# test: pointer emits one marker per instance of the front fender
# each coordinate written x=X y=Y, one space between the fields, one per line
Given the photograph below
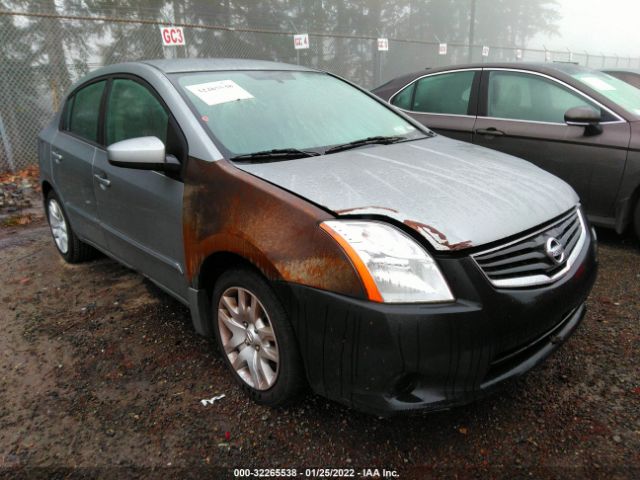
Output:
x=228 y=210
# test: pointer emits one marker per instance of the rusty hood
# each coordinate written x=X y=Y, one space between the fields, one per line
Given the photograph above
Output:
x=457 y=195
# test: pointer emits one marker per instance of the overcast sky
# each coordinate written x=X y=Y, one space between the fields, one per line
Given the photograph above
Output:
x=609 y=26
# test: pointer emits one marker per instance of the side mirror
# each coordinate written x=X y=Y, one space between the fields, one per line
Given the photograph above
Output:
x=584 y=117
x=143 y=153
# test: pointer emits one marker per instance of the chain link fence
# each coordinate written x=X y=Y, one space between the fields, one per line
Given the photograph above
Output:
x=32 y=85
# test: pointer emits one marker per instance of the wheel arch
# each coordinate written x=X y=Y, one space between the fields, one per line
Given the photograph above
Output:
x=207 y=273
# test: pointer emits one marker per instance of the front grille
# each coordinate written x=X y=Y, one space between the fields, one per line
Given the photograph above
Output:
x=527 y=262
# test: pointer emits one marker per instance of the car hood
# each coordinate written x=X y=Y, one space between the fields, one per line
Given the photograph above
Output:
x=457 y=195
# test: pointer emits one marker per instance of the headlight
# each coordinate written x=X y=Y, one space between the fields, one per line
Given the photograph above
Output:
x=393 y=267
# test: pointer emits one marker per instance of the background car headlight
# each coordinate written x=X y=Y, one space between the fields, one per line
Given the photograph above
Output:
x=393 y=267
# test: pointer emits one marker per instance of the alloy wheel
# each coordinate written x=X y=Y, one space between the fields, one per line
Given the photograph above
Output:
x=248 y=338
x=58 y=226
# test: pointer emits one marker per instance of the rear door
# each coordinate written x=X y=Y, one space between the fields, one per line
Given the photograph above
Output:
x=522 y=113
x=141 y=210
x=446 y=102
x=72 y=154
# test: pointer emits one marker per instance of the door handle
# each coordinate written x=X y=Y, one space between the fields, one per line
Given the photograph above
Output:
x=56 y=157
x=491 y=131
x=104 y=182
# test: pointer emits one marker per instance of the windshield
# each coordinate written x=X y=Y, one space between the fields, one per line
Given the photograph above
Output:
x=625 y=95
x=253 y=111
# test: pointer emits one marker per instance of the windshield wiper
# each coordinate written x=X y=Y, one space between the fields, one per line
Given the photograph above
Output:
x=366 y=141
x=275 y=154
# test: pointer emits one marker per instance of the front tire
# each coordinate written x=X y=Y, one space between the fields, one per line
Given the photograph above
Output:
x=69 y=246
x=255 y=338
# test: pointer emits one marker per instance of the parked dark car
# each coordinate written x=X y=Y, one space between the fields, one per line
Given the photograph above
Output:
x=321 y=236
x=631 y=76
x=579 y=124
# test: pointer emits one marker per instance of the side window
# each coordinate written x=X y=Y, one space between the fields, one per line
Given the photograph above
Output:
x=403 y=99
x=522 y=96
x=133 y=111
x=83 y=111
x=445 y=93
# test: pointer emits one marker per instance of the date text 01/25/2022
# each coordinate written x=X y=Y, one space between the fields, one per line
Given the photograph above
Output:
x=316 y=472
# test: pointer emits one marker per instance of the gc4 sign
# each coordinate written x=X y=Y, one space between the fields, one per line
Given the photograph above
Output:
x=172 y=36
x=301 y=41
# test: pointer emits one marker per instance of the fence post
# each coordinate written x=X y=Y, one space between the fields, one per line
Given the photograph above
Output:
x=4 y=135
x=7 y=145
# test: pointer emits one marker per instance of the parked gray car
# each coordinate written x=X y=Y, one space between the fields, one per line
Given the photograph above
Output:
x=321 y=236
x=579 y=124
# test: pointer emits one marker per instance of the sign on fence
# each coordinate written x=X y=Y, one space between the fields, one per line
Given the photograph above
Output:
x=442 y=49
x=485 y=51
x=383 y=44
x=547 y=56
x=172 y=36
x=301 y=41
x=518 y=54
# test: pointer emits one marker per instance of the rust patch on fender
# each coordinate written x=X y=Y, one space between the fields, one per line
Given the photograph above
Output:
x=229 y=210
x=437 y=235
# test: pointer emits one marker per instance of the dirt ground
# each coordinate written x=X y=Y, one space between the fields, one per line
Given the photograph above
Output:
x=101 y=375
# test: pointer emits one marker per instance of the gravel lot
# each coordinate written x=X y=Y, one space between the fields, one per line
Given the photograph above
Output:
x=101 y=369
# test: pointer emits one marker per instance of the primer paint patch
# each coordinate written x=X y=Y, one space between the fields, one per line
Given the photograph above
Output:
x=215 y=93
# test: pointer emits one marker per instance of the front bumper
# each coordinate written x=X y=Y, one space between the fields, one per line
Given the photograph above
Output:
x=386 y=358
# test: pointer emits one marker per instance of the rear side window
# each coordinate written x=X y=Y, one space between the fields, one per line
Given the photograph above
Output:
x=83 y=111
x=448 y=93
x=403 y=99
x=134 y=111
x=523 y=96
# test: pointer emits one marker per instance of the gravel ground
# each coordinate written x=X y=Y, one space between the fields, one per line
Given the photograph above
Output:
x=102 y=376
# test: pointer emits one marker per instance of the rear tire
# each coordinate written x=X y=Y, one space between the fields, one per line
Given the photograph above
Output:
x=255 y=338
x=69 y=246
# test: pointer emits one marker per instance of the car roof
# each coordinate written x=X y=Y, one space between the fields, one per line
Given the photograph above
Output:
x=549 y=68
x=180 y=65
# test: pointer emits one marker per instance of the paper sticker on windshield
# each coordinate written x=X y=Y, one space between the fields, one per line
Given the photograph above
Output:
x=223 y=91
x=598 y=84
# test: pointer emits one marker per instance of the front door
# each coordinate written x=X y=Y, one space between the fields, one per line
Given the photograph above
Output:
x=141 y=210
x=523 y=114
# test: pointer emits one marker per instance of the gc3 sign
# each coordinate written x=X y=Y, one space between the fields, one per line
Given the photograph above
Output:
x=172 y=36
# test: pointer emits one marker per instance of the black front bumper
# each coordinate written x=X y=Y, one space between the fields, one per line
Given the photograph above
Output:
x=385 y=358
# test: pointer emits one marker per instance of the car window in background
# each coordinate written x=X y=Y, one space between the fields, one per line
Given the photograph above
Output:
x=447 y=93
x=252 y=111
x=85 y=110
x=403 y=99
x=522 y=96
x=133 y=111
x=625 y=95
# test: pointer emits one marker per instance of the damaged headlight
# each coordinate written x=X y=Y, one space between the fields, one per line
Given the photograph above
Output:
x=393 y=267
